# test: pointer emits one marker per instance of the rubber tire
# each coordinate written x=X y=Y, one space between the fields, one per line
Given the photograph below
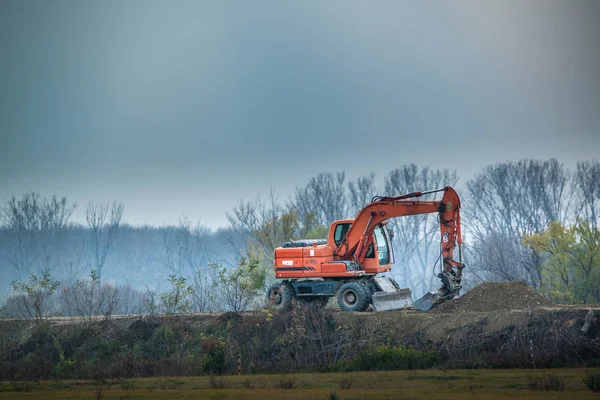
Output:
x=279 y=297
x=361 y=295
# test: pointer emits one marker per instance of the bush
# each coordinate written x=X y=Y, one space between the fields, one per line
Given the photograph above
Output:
x=346 y=382
x=215 y=382
x=592 y=380
x=214 y=354
x=286 y=382
x=388 y=357
x=549 y=382
x=22 y=386
x=169 y=384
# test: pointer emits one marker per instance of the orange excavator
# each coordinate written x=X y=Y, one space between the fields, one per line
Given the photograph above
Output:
x=349 y=264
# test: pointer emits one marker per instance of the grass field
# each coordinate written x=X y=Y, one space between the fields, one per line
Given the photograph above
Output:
x=424 y=384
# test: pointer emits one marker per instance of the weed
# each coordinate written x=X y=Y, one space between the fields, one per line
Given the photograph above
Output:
x=248 y=384
x=547 y=382
x=333 y=396
x=217 y=382
x=372 y=384
x=346 y=382
x=127 y=385
x=169 y=384
x=99 y=393
x=286 y=382
x=592 y=380
x=22 y=386
x=58 y=385
x=389 y=357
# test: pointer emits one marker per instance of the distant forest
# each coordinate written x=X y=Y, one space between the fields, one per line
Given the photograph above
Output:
x=531 y=220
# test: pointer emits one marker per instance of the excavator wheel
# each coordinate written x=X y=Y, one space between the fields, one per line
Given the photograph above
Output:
x=280 y=296
x=354 y=296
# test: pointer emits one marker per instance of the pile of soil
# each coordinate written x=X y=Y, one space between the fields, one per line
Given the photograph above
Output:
x=493 y=296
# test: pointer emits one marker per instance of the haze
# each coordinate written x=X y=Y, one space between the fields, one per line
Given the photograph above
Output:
x=181 y=108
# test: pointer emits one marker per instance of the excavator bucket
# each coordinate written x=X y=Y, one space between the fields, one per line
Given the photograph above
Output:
x=424 y=303
x=383 y=301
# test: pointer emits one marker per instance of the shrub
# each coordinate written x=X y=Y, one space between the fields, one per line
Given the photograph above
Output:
x=169 y=384
x=346 y=382
x=215 y=382
x=389 y=357
x=214 y=354
x=547 y=382
x=248 y=384
x=34 y=293
x=286 y=382
x=22 y=386
x=592 y=380
x=127 y=385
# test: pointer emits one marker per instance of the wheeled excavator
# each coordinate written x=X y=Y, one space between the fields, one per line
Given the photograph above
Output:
x=351 y=262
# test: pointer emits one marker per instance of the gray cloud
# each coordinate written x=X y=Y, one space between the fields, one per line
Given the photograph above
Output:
x=183 y=107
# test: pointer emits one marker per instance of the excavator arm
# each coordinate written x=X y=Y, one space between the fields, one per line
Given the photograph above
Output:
x=355 y=243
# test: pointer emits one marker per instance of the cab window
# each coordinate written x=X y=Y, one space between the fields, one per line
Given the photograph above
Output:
x=383 y=249
x=340 y=232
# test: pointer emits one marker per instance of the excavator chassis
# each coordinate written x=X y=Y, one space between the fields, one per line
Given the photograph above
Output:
x=379 y=292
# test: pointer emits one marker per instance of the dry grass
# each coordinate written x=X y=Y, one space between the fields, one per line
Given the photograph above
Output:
x=549 y=381
x=592 y=380
x=426 y=384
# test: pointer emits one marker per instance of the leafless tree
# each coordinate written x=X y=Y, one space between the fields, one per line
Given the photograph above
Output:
x=185 y=247
x=266 y=224
x=85 y=298
x=36 y=230
x=416 y=244
x=104 y=222
x=506 y=202
x=203 y=292
x=586 y=187
x=324 y=197
x=361 y=192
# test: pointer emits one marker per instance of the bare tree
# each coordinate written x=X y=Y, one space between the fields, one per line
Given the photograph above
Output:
x=361 y=192
x=417 y=245
x=586 y=186
x=36 y=229
x=104 y=222
x=266 y=224
x=324 y=197
x=185 y=247
x=203 y=292
x=86 y=299
x=506 y=202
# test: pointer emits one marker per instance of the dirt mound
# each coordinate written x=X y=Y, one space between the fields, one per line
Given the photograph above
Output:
x=493 y=296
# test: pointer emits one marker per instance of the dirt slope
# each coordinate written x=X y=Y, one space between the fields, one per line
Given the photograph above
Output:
x=502 y=325
x=494 y=296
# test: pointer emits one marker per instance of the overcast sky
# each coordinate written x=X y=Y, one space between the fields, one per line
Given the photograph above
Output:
x=183 y=107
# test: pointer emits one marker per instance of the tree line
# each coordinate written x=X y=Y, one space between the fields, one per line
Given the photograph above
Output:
x=531 y=220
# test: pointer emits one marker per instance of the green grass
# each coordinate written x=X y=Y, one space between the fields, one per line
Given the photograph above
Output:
x=424 y=384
